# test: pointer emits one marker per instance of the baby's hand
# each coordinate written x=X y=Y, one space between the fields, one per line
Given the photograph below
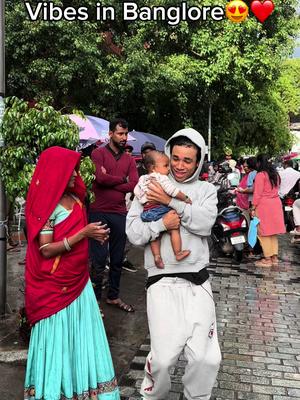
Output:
x=188 y=200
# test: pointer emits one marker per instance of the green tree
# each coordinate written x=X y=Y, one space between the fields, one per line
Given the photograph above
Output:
x=159 y=77
x=287 y=88
x=27 y=131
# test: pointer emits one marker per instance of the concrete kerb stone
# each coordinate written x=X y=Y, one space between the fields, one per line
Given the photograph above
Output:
x=14 y=357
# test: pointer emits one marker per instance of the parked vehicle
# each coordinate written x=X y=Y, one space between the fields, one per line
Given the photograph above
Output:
x=295 y=239
x=229 y=233
x=287 y=203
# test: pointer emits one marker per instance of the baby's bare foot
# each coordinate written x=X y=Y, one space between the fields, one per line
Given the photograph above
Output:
x=182 y=254
x=158 y=261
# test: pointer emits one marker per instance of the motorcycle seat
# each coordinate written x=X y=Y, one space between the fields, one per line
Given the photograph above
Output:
x=229 y=212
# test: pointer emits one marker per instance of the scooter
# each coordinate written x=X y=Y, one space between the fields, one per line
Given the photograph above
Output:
x=230 y=229
x=295 y=239
x=287 y=203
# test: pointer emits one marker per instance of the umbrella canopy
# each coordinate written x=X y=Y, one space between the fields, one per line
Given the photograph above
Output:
x=290 y=156
x=83 y=144
x=142 y=137
x=93 y=128
x=296 y=158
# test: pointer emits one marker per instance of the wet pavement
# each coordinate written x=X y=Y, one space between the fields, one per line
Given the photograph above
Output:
x=126 y=331
x=258 y=314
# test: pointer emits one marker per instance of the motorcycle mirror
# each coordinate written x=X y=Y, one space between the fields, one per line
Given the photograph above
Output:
x=233 y=179
x=231 y=176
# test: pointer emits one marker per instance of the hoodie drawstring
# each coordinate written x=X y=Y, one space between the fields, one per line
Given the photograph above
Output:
x=192 y=286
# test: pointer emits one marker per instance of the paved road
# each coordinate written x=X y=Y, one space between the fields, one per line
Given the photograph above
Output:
x=258 y=312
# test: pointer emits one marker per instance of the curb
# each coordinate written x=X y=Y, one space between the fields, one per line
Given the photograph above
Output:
x=14 y=357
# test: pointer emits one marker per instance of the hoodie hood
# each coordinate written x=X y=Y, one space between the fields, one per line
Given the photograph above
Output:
x=198 y=140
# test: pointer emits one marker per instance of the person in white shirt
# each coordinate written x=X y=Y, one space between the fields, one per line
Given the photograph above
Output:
x=180 y=304
x=289 y=178
x=296 y=215
x=157 y=165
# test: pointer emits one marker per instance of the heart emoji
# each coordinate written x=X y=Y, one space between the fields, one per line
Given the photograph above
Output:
x=262 y=10
x=232 y=9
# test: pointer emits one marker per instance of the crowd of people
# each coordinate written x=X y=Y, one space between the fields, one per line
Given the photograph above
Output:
x=260 y=190
x=161 y=205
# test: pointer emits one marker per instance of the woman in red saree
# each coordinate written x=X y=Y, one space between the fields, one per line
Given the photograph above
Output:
x=68 y=356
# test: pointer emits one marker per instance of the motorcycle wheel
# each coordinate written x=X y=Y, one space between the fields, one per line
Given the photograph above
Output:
x=238 y=255
x=290 y=225
x=238 y=252
x=213 y=248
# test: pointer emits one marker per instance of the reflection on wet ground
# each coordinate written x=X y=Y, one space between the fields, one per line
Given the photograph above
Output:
x=258 y=313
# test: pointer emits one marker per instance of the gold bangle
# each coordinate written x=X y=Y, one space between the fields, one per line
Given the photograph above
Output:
x=44 y=245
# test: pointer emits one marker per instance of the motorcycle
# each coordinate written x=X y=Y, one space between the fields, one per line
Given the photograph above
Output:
x=287 y=203
x=229 y=232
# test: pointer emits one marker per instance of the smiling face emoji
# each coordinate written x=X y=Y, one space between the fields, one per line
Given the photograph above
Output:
x=237 y=11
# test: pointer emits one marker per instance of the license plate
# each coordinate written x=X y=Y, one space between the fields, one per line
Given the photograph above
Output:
x=288 y=208
x=237 y=239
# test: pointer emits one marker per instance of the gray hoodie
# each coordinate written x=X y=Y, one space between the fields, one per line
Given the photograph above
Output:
x=197 y=220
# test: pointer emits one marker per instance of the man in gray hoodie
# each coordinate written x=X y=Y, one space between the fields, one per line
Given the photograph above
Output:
x=180 y=305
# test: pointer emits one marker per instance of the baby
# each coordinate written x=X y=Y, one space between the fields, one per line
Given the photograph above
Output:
x=157 y=165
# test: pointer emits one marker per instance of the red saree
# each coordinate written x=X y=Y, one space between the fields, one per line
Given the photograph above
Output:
x=242 y=199
x=53 y=284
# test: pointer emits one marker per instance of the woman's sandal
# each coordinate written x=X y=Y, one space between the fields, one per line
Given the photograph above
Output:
x=275 y=262
x=122 y=306
x=100 y=309
x=263 y=263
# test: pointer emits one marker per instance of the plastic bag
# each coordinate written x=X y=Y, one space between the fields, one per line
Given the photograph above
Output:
x=252 y=233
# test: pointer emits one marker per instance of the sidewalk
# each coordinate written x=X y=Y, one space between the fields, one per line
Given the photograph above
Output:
x=12 y=348
x=258 y=313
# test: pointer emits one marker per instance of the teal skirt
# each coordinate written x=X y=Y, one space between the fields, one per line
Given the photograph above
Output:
x=69 y=356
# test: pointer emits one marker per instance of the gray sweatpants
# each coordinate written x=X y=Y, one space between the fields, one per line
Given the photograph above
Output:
x=181 y=317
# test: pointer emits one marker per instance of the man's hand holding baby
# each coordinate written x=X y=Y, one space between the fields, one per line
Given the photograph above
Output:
x=157 y=194
x=171 y=220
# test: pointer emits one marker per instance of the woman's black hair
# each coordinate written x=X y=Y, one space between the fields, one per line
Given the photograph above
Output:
x=251 y=162
x=263 y=164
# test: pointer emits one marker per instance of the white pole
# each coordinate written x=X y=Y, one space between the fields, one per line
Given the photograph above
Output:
x=3 y=262
x=209 y=132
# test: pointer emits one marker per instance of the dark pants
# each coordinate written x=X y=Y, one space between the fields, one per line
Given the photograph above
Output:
x=115 y=246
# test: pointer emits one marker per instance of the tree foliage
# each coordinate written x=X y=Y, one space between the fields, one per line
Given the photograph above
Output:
x=288 y=86
x=27 y=131
x=160 y=77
